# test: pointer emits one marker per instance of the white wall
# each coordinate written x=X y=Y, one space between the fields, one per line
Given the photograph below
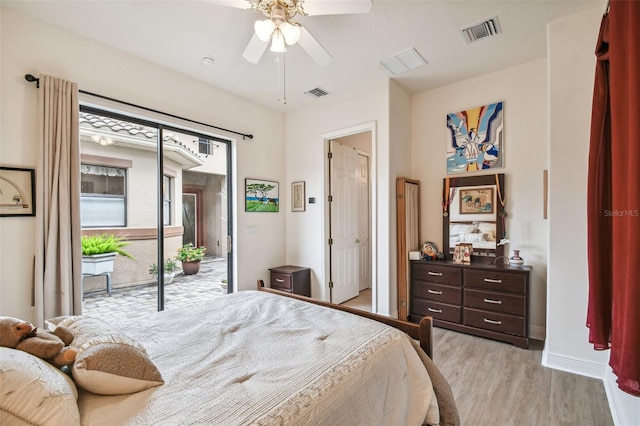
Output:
x=571 y=46
x=306 y=160
x=524 y=91
x=30 y=46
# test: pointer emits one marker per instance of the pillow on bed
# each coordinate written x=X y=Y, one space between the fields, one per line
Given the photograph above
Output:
x=32 y=391
x=108 y=362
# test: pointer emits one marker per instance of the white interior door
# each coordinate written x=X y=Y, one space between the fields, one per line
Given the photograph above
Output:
x=364 y=224
x=344 y=222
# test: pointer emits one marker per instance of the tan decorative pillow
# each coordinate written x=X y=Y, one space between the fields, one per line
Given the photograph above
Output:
x=32 y=391
x=108 y=362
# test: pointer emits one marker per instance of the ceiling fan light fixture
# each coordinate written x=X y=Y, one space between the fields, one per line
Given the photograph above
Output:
x=277 y=42
x=264 y=29
x=290 y=32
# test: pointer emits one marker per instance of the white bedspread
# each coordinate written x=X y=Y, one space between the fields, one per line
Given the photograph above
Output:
x=253 y=358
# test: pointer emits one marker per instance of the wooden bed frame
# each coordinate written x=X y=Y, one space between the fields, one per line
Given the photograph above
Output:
x=422 y=332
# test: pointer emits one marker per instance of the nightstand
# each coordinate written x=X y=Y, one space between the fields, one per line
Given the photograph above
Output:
x=292 y=279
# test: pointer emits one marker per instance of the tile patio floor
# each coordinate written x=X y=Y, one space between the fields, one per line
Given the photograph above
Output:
x=134 y=302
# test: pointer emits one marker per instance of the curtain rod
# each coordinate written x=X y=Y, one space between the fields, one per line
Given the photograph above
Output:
x=31 y=79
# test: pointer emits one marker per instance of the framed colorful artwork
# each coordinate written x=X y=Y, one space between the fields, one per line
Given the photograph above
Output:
x=475 y=139
x=17 y=192
x=261 y=196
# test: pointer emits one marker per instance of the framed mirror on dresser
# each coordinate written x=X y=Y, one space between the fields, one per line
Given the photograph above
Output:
x=473 y=213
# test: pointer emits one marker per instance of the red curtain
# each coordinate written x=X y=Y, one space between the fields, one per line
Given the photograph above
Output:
x=613 y=212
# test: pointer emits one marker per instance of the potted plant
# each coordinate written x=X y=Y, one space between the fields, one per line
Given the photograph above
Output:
x=190 y=256
x=170 y=268
x=99 y=253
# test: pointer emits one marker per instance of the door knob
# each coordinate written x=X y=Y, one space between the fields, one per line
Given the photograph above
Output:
x=357 y=240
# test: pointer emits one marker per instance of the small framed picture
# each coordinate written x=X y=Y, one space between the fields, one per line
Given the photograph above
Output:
x=297 y=197
x=261 y=196
x=462 y=253
x=17 y=192
x=476 y=201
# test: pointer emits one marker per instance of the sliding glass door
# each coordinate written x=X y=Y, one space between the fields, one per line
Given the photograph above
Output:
x=158 y=188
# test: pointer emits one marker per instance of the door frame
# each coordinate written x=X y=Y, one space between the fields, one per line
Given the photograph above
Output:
x=373 y=238
x=200 y=223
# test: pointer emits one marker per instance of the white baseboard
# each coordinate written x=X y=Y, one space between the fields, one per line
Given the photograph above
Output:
x=574 y=365
x=625 y=409
x=611 y=390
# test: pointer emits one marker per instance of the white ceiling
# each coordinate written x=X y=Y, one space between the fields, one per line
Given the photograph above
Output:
x=177 y=34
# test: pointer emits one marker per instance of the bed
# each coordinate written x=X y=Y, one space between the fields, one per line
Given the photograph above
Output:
x=255 y=358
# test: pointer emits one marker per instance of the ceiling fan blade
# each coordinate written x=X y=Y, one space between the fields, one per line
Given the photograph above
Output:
x=336 y=7
x=313 y=48
x=239 y=4
x=255 y=49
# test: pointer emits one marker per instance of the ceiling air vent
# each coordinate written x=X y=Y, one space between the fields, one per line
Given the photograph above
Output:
x=317 y=92
x=488 y=28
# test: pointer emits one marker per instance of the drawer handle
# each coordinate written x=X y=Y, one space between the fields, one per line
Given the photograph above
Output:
x=437 y=311
x=434 y=291
x=493 y=322
x=490 y=280
x=436 y=274
x=279 y=280
x=497 y=302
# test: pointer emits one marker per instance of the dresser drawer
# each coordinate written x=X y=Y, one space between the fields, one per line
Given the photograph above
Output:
x=281 y=281
x=431 y=272
x=437 y=292
x=495 y=280
x=440 y=311
x=496 y=302
x=493 y=321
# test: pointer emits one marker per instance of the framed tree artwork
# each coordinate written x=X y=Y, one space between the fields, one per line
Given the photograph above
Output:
x=261 y=196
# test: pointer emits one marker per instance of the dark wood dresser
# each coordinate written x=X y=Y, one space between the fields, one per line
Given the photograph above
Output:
x=482 y=299
x=292 y=279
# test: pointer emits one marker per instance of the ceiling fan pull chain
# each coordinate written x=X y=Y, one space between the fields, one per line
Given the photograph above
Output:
x=284 y=80
x=278 y=85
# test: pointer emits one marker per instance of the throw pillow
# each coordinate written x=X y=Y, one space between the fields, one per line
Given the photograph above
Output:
x=108 y=362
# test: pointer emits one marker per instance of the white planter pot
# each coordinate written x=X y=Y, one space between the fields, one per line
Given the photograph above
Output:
x=168 y=277
x=98 y=263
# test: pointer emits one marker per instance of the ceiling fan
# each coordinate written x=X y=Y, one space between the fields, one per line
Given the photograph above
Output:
x=280 y=30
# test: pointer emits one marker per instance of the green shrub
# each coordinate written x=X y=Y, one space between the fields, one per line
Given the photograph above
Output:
x=100 y=244
x=189 y=253
x=169 y=266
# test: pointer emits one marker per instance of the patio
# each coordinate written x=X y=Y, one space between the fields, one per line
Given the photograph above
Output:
x=134 y=302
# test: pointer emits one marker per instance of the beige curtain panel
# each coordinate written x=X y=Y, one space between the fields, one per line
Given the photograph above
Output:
x=58 y=260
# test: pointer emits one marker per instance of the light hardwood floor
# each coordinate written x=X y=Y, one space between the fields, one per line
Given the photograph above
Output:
x=362 y=301
x=499 y=384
